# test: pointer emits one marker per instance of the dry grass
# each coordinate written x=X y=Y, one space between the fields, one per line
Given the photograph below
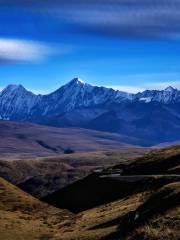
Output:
x=102 y=221
x=162 y=232
x=164 y=224
x=24 y=217
x=159 y=218
x=160 y=228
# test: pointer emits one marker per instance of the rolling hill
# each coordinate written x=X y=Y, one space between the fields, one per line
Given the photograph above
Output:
x=25 y=140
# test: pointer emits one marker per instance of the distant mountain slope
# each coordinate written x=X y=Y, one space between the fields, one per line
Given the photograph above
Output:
x=28 y=140
x=153 y=117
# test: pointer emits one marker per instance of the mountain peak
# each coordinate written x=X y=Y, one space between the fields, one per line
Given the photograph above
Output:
x=13 y=87
x=169 y=89
x=77 y=80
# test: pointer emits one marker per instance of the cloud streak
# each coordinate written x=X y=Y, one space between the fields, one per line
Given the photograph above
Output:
x=129 y=89
x=18 y=51
x=131 y=19
x=121 y=18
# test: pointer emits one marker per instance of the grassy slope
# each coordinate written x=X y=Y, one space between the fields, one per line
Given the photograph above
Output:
x=116 y=220
x=100 y=222
x=160 y=215
x=24 y=217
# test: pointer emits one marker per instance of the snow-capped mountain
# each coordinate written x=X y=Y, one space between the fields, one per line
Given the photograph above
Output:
x=168 y=95
x=16 y=102
x=77 y=94
x=77 y=104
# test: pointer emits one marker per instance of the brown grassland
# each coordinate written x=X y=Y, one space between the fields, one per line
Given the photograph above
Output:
x=151 y=213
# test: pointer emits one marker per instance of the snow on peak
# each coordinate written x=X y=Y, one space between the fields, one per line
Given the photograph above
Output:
x=80 y=80
x=77 y=81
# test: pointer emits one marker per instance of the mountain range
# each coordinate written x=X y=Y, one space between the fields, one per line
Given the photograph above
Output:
x=152 y=116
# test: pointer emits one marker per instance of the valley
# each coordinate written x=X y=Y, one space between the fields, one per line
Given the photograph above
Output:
x=43 y=175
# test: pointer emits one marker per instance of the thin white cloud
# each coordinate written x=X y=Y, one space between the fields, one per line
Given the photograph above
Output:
x=129 y=89
x=162 y=85
x=15 y=50
x=40 y=91
x=147 y=86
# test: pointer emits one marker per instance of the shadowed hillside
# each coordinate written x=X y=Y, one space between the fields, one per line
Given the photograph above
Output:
x=147 y=173
x=162 y=161
x=145 y=205
x=42 y=176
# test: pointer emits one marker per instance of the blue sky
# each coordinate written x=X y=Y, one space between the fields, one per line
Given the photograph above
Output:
x=130 y=45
